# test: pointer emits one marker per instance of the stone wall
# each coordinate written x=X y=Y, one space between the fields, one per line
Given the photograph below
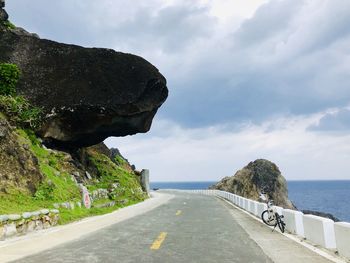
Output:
x=16 y=225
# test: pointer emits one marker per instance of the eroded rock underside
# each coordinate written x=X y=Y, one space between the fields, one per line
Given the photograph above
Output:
x=258 y=176
x=87 y=94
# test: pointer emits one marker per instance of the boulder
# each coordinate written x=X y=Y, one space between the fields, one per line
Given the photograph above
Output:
x=87 y=94
x=257 y=177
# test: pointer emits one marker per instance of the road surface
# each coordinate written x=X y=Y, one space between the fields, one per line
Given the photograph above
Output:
x=188 y=228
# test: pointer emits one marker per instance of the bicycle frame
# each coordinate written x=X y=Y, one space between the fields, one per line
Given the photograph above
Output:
x=273 y=218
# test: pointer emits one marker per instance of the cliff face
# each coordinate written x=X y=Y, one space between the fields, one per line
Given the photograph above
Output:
x=87 y=94
x=258 y=176
x=58 y=102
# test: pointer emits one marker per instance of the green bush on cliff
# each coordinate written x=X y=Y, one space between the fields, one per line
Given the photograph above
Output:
x=9 y=25
x=58 y=185
x=17 y=108
x=111 y=173
x=20 y=111
x=9 y=75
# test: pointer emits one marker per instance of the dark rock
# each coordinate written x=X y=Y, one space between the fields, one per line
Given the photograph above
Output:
x=3 y=14
x=87 y=94
x=322 y=214
x=115 y=152
x=116 y=155
x=257 y=177
x=103 y=149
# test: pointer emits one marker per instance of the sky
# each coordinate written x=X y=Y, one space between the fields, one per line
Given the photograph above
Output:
x=247 y=79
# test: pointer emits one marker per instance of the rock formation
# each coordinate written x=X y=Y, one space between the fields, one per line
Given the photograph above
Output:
x=3 y=14
x=19 y=168
x=87 y=94
x=119 y=159
x=322 y=214
x=258 y=176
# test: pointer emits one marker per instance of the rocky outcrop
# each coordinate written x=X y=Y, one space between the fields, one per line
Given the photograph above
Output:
x=119 y=159
x=87 y=94
x=3 y=14
x=258 y=176
x=322 y=214
x=19 y=168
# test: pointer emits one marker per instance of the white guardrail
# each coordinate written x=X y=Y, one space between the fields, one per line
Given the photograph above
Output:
x=320 y=231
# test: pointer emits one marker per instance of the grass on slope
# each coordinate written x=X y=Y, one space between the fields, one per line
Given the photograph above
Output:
x=58 y=186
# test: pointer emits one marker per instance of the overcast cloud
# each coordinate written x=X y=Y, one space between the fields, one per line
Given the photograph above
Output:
x=240 y=75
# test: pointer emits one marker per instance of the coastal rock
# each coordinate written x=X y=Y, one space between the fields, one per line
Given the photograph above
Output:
x=322 y=214
x=87 y=94
x=258 y=176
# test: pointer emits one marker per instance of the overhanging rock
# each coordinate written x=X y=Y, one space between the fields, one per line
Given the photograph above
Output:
x=87 y=94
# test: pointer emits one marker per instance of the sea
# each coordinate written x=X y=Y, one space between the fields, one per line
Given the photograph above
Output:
x=324 y=196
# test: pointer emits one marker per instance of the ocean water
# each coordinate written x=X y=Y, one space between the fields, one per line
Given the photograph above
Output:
x=324 y=196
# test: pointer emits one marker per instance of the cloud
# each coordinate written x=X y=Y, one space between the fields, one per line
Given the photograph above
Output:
x=136 y=25
x=207 y=154
x=335 y=121
x=264 y=79
x=289 y=58
x=268 y=22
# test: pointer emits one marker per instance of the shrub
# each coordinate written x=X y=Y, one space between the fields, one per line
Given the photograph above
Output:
x=19 y=110
x=9 y=25
x=9 y=75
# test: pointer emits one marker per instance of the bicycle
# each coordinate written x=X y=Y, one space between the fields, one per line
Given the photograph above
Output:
x=271 y=218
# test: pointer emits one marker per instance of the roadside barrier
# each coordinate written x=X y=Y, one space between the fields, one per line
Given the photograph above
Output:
x=317 y=230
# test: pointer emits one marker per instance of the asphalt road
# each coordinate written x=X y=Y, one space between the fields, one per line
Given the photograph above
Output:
x=189 y=228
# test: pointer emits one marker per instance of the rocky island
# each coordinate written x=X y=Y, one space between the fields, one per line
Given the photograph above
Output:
x=257 y=177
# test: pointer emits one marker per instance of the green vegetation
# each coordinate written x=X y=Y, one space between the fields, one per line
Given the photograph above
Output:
x=17 y=108
x=9 y=25
x=67 y=216
x=110 y=173
x=9 y=75
x=57 y=185
x=15 y=201
x=119 y=160
x=20 y=111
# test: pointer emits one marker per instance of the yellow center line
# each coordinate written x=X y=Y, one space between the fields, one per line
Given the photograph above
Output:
x=178 y=212
x=158 y=242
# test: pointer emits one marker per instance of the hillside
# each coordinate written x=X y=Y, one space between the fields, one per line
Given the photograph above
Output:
x=58 y=103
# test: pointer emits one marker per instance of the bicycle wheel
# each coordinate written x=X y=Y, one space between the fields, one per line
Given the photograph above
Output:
x=280 y=223
x=268 y=218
